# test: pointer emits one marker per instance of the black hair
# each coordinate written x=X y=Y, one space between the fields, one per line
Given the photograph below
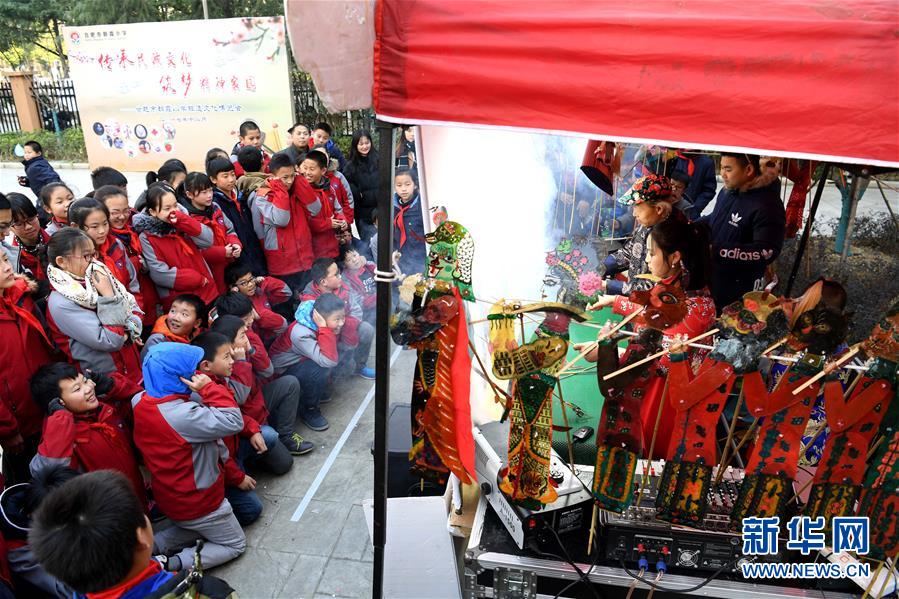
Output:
x=65 y=241
x=49 y=188
x=692 y=241
x=214 y=153
x=36 y=146
x=196 y=303
x=108 y=191
x=228 y=325
x=319 y=158
x=324 y=127
x=42 y=483
x=235 y=271
x=85 y=531
x=745 y=159
x=167 y=172
x=320 y=268
x=79 y=210
x=45 y=382
x=354 y=154
x=236 y=304
x=247 y=126
x=154 y=195
x=681 y=176
x=250 y=158
x=295 y=125
x=405 y=172
x=210 y=342
x=22 y=207
x=195 y=182
x=4 y=203
x=327 y=304
x=106 y=175
x=279 y=161
x=217 y=166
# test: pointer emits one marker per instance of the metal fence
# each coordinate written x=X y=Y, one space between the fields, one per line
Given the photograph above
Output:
x=56 y=100
x=9 y=118
x=309 y=109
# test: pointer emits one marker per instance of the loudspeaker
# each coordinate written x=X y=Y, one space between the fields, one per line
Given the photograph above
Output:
x=400 y=482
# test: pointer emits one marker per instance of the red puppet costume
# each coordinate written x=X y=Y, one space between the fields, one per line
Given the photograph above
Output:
x=747 y=328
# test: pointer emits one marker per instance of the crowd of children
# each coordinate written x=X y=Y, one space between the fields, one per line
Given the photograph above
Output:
x=180 y=342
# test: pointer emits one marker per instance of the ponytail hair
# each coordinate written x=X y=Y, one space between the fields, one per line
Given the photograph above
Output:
x=692 y=241
x=195 y=182
x=167 y=172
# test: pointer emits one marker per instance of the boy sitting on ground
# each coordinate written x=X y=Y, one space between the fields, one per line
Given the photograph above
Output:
x=186 y=318
x=264 y=292
x=359 y=274
x=82 y=430
x=91 y=534
x=357 y=335
x=308 y=351
x=237 y=304
x=181 y=441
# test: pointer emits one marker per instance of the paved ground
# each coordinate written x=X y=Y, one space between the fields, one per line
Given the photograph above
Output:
x=325 y=553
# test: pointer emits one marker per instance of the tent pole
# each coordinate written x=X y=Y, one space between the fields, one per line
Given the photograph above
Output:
x=854 y=196
x=806 y=233
x=382 y=354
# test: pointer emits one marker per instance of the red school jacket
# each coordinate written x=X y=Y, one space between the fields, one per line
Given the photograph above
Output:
x=321 y=206
x=222 y=235
x=270 y=324
x=149 y=298
x=283 y=228
x=25 y=347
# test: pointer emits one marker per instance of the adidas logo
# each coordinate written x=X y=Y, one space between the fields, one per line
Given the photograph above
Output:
x=735 y=219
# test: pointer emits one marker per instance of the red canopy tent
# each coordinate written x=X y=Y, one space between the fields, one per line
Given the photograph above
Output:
x=814 y=79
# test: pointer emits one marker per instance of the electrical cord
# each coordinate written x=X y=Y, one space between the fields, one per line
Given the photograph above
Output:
x=673 y=590
x=585 y=579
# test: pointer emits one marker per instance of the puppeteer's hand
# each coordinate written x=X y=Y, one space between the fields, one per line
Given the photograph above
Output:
x=604 y=301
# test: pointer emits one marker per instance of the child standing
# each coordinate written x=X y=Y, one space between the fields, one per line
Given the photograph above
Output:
x=249 y=135
x=339 y=185
x=236 y=208
x=321 y=135
x=82 y=431
x=313 y=190
x=308 y=352
x=38 y=171
x=185 y=319
x=409 y=228
x=172 y=241
x=92 y=316
x=283 y=226
x=356 y=335
x=181 y=441
x=92 y=217
x=195 y=195
x=25 y=348
x=250 y=159
x=29 y=239
x=264 y=292
x=55 y=198
x=120 y=214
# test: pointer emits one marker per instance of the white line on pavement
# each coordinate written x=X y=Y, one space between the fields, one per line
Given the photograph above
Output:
x=326 y=467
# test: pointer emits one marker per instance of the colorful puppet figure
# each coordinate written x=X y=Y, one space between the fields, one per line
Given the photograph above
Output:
x=525 y=480
x=854 y=422
x=774 y=460
x=747 y=327
x=450 y=257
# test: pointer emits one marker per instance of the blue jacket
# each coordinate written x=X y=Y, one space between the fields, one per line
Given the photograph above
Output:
x=166 y=363
x=39 y=173
x=413 y=248
x=747 y=233
x=703 y=184
x=241 y=216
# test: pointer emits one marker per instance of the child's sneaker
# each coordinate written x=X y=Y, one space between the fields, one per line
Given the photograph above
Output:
x=366 y=373
x=314 y=420
x=296 y=445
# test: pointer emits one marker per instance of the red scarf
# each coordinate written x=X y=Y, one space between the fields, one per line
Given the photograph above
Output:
x=401 y=223
x=129 y=239
x=9 y=302
x=120 y=272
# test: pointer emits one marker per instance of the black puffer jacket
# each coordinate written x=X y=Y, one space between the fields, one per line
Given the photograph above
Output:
x=362 y=173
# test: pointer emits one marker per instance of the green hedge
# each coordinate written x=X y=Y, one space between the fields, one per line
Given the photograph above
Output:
x=69 y=146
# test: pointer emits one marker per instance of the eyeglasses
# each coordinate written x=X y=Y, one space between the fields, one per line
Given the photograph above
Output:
x=33 y=221
x=87 y=256
x=245 y=282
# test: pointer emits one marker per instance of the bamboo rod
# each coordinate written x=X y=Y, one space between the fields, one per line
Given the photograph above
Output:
x=656 y=355
x=725 y=457
x=567 y=428
x=594 y=344
x=827 y=370
x=652 y=442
